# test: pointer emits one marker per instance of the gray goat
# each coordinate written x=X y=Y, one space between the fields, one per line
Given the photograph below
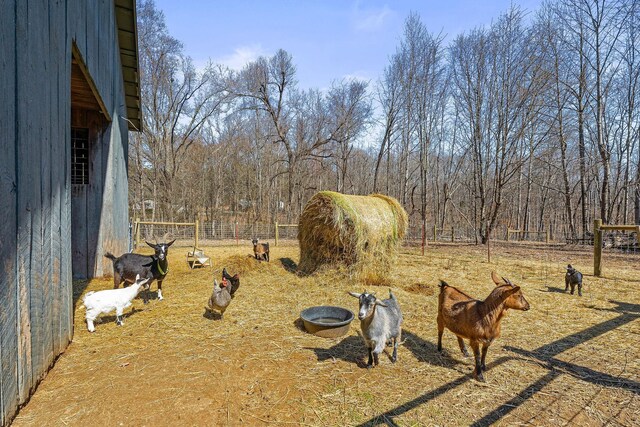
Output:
x=380 y=322
x=573 y=278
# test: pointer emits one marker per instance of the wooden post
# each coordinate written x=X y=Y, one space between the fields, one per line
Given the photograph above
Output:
x=547 y=237
x=137 y=242
x=638 y=234
x=196 y=236
x=488 y=244
x=435 y=231
x=453 y=235
x=597 y=247
x=276 y=233
x=508 y=233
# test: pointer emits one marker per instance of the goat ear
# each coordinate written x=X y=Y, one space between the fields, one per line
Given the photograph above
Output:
x=355 y=295
x=171 y=242
x=137 y=277
x=235 y=276
x=150 y=244
x=497 y=279
x=380 y=303
x=514 y=289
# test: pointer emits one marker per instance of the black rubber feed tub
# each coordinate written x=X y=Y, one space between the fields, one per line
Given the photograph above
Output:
x=326 y=321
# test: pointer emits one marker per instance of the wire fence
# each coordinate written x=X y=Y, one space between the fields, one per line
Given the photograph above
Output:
x=215 y=232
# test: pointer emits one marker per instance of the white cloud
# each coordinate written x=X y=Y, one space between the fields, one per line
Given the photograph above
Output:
x=241 y=56
x=372 y=19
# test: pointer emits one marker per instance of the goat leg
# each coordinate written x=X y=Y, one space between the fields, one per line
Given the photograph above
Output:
x=119 y=321
x=370 y=361
x=573 y=288
x=463 y=348
x=580 y=289
x=440 y=331
x=477 y=372
x=394 y=356
x=375 y=359
x=485 y=347
x=160 y=290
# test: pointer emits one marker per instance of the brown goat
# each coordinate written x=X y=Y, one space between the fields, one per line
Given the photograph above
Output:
x=260 y=250
x=477 y=321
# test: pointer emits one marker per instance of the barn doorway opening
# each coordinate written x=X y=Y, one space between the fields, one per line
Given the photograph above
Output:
x=89 y=121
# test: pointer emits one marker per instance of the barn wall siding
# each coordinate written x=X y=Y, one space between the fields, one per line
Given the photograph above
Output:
x=36 y=294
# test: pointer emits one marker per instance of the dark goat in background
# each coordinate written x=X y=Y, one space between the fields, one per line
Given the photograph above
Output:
x=573 y=278
x=260 y=250
x=153 y=267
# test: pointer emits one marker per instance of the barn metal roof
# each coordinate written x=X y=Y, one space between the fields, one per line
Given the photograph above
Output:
x=128 y=40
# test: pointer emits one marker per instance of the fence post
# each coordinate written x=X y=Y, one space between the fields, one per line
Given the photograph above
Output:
x=276 y=233
x=547 y=237
x=435 y=231
x=597 y=247
x=488 y=244
x=137 y=242
x=196 y=236
x=508 y=233
x=453 y=235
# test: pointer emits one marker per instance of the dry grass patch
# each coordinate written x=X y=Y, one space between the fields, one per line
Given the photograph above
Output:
x=569 y=360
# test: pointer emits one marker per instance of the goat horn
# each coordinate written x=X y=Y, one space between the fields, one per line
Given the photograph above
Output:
x=507 y=281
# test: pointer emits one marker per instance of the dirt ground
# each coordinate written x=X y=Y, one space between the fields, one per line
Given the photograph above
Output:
x=568 y=361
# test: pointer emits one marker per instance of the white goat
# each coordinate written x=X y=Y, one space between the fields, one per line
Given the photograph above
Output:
x=108 y=300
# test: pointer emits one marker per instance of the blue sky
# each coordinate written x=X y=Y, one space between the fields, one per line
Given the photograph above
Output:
x=329 y=39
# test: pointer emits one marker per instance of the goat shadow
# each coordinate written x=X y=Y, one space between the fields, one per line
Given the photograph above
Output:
x=554 y=290
x=289 y=265
x=112 y=317
x=351 y=349
x=426 y=351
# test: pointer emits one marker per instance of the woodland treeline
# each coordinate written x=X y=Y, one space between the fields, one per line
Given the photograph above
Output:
x=530 y=123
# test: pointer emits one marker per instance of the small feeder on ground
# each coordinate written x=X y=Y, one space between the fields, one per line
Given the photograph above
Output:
x=326 y=321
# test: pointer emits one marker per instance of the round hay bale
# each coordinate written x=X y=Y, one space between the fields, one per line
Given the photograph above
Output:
x=361 y=232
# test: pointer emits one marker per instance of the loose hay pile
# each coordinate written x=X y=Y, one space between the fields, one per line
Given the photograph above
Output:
x=361 y=232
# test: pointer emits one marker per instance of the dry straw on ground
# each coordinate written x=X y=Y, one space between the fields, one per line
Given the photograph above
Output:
x=360 y=232
x=568 y=361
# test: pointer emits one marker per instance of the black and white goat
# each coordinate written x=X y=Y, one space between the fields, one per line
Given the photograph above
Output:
x=153 y=267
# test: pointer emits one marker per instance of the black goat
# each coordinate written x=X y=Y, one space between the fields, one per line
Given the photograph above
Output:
x=573 y=278
x=233 y=280
x=152 y=267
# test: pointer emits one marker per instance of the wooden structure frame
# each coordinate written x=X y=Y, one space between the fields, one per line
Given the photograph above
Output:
x=598 y=228
x=197 y=258
x=282 y=225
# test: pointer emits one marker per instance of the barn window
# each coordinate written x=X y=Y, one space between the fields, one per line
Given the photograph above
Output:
x=79 y=156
